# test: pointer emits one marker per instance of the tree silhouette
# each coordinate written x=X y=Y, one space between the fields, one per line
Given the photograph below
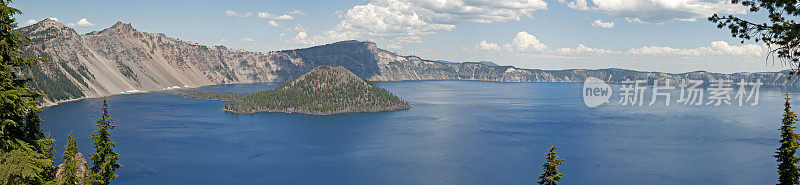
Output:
x=25 y=151
x=781 y=33
x=551 y=175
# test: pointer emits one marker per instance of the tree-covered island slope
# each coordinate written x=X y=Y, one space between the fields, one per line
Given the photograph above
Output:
x=324 y=90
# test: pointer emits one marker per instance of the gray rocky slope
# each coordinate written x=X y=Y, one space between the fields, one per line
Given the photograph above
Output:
x=121 y=59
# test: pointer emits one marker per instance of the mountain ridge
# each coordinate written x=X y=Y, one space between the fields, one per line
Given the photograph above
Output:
x=121 y=59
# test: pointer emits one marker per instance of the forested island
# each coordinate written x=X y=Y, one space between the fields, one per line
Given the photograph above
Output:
x=324 y=90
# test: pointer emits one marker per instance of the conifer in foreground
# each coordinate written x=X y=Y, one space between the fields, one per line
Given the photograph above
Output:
x=551 y=175
x=25 y=151
x=104 y=159
x=69 y=175
x=787 y=162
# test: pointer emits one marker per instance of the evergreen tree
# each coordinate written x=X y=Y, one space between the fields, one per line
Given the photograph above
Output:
x=774 y=23
x=104 y=159
x=551 y=175
x=25 y=151
x=787 y=162
x=69 y=176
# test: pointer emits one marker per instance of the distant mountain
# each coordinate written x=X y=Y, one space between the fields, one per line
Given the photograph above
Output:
x=121 y=59
x=445 y=61
x=322 y=91
x=488 y=63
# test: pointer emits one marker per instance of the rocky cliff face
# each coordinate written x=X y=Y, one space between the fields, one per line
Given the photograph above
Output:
x=82 y=170
x=121 y=59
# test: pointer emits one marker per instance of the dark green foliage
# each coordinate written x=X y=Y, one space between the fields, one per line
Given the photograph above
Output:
x=104 y=159
x=73 y=73
x=69 y=176
x=317 y=92
x=781 y=33
x=55 y=84
x=787 y=163
x=551 y=163
x=305 y=95
x=25 y=151
x=48 y=34
x=127 y=71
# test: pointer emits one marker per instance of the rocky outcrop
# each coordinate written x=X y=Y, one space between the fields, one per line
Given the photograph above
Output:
x=121 y=59
x=82 y=170
x=325 y=90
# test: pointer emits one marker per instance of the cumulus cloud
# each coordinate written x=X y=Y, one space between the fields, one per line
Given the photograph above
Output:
x=487 y=46
x=716 y=48
x=84 y=23
x=237 y=14
x=585 y=50
x=394 y=46
x=273 y=24
x=302 y=38
x=522 y=42
x=657 y=11
x=600 y=24
x=32 y=21
x=402 y=21
x=247 y=39
x=221 y=42
x=296 y=12
x=526 y=42
x=267 y=15
x=299 y=28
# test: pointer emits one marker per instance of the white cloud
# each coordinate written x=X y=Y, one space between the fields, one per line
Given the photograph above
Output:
x=584 y=50
x=296 y=12
x=247 y=39
x=600 y=24
x=273 y=24
x=748 y=49
x=299 y=28
x=522 y=42
x=657 y=11
x=32 y=21
x=302 y=38
x=222 y=42
x=716 y=48
x=526 y=42
x=409 y=20
x=237 y=14
x=84 y=23
x=267 y=15
x=394 y=46
x=487 y=46
x=53 y=18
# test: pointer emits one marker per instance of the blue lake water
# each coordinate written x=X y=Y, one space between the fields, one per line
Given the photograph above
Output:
x=458 y=132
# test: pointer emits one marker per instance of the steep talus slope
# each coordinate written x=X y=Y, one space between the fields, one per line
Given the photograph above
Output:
x=121 y=59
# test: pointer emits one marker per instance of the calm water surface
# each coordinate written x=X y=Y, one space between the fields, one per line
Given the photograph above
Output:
x=458 y=132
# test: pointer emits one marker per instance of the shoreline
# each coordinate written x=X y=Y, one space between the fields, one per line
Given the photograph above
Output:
x=48 y=103
x=315 y=113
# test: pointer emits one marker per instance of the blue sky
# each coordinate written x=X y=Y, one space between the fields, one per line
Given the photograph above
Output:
x=650 y=35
